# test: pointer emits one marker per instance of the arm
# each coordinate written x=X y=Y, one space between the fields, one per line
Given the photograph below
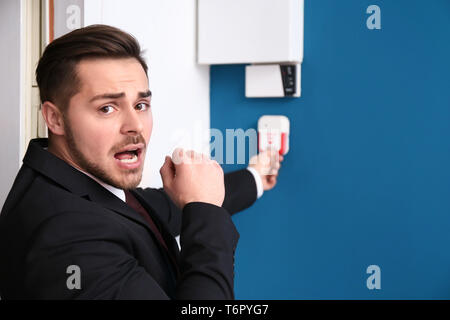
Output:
x=241 y=189
x=103 y=251
x=240 y=193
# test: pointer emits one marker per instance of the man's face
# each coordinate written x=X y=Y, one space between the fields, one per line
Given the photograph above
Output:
x=108 y=123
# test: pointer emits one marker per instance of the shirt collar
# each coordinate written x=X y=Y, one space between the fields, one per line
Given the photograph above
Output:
x=119 y=193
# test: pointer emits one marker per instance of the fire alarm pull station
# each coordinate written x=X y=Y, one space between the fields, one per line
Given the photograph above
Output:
x=273 y=132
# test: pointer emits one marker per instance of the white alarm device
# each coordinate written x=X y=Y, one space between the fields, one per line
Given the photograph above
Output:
x=273 y=132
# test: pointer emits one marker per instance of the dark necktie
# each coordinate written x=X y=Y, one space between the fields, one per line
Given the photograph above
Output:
x=136 y=205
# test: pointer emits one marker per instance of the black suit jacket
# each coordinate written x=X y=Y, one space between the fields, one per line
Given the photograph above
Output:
x=55 y=216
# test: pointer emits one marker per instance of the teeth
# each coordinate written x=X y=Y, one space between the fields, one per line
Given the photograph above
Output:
x=132 y=160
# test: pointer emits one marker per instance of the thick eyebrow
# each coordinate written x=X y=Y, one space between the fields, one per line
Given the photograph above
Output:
x=146 y=94
x=104 y=96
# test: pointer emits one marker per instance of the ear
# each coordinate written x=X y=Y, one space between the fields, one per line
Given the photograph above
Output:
x=53 y=117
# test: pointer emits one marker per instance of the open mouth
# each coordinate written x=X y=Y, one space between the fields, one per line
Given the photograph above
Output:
x=129 y=155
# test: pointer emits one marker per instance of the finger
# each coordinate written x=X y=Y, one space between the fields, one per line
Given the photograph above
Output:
x=274 y=159
x=167 y=171
x=178 y=156
x=205 y=158
x=264 y=158
x=194 y=157
x=190 y=154
x=273 y=151
x=272 y=180
x=191 y=157
x=273 y=172
x=276 y=165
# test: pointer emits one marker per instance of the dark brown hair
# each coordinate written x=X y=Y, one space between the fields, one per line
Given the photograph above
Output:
x=56 y=73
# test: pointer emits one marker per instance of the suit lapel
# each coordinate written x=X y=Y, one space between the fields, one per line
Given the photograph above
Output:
x=108 y=200
x=80 y=184
x=76 y=181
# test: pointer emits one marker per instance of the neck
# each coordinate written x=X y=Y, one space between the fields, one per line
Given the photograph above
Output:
x=59 y=148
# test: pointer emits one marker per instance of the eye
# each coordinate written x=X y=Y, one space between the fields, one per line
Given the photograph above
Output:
x=142 y=106
x=107 y=109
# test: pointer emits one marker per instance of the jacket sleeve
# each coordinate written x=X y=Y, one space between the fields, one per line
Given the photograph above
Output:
x=208 y=242
x=240 y=193
x=108 y=269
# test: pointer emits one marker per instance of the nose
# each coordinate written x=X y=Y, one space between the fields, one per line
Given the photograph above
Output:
x=132 y=123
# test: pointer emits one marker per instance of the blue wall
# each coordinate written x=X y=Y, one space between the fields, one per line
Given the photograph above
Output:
x=367 y=178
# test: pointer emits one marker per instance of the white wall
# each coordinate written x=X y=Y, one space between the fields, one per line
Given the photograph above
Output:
x=10 y=93
x=166 y=31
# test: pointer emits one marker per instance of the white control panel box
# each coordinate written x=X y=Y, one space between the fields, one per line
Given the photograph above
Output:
x=272 y=80
x=250 y=31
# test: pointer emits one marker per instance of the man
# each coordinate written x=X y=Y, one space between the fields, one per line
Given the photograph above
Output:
x=74 y=224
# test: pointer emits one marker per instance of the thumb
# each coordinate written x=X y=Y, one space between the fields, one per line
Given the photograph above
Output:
x=167 y=171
